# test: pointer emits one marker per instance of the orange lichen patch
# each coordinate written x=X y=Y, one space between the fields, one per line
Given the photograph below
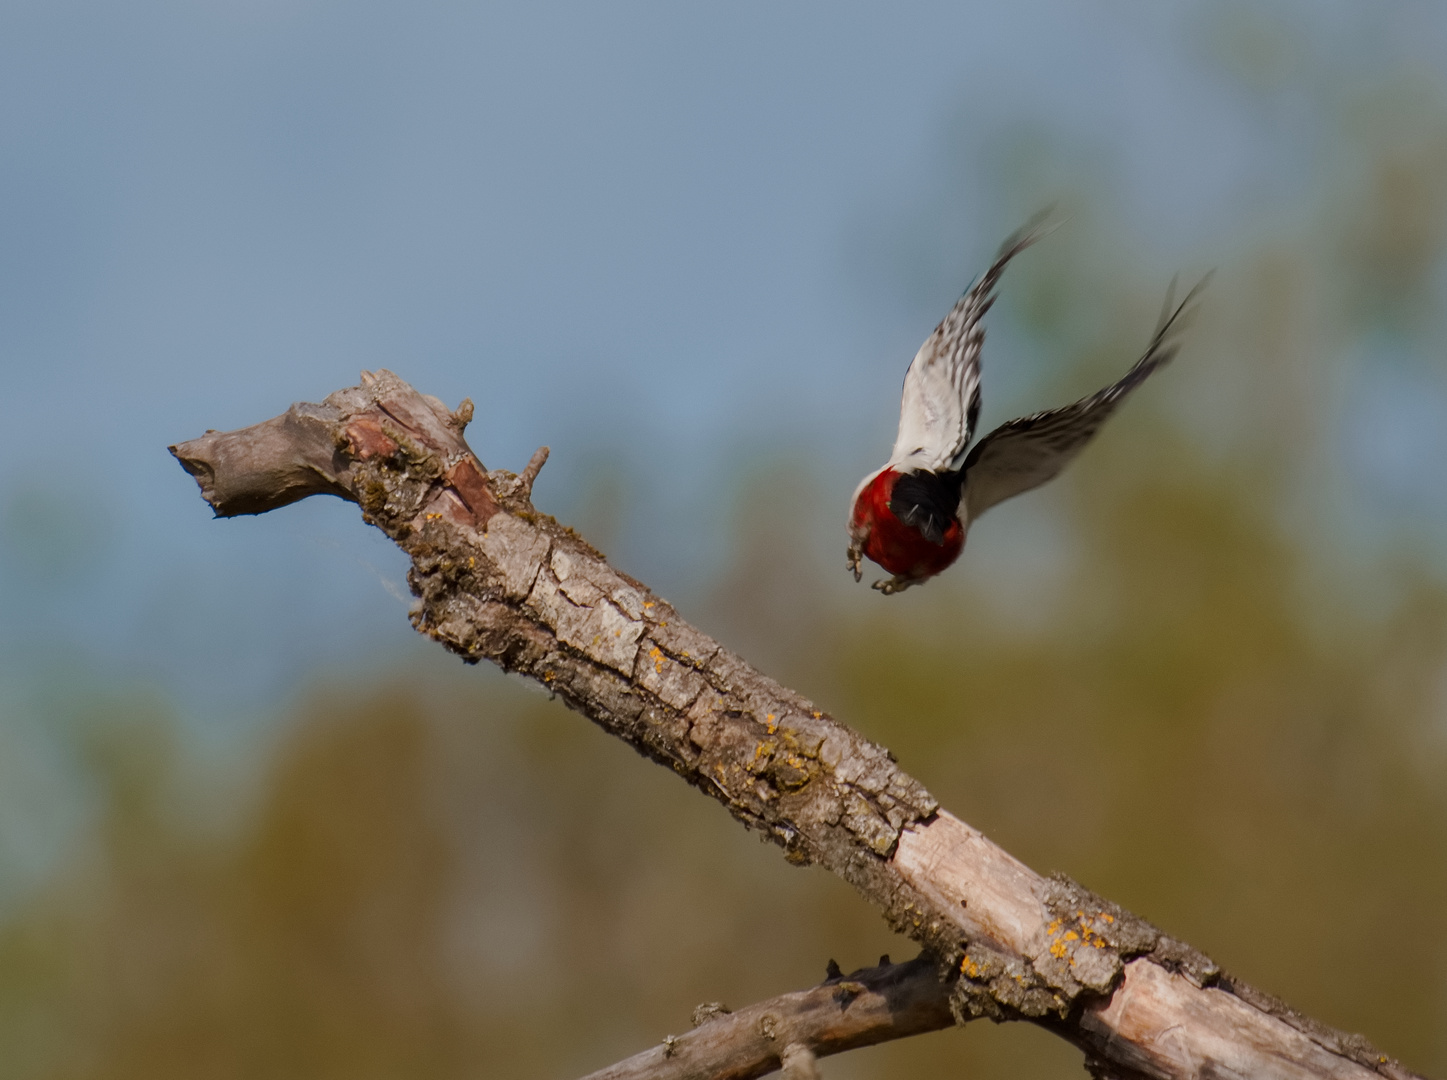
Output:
x=1089 y=932
x=648 y=603
x=1086 y=934
x=769 y=720
x=656 y=655
x=970 y=968
x=817 y=714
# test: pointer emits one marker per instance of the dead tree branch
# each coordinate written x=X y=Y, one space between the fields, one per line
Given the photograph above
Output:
x=497 y=580
x=842 y=1013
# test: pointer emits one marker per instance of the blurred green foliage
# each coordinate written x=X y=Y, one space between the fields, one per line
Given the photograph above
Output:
x=446 y=875
x=1204 y=698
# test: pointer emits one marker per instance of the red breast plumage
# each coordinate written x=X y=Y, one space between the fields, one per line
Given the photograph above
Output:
x=901 y=549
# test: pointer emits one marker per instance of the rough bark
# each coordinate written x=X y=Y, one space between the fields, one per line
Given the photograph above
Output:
x=496 y=580
x=842 y=1013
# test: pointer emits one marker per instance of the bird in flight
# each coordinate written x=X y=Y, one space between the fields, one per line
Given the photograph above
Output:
x=911 y=516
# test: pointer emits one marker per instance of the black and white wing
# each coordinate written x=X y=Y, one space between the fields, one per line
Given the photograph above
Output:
x=1024 y=453
x=941 y=399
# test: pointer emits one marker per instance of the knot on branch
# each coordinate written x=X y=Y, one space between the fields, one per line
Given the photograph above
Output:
x=709 y=1010
x=516 y=491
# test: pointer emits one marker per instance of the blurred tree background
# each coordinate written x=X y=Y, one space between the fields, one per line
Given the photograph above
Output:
x=1205 y=673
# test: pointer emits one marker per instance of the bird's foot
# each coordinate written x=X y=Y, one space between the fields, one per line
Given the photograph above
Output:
x=895 y=584
x=851 y=562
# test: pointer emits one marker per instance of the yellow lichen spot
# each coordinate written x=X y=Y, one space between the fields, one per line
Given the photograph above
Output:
x=648 y=603
x=1058 y=949
x=817 y=714
x=970 y=968
x=1098 y=943
x=1071 y=935
x=1054 y=927
x=656 y=655
x=1107 y=918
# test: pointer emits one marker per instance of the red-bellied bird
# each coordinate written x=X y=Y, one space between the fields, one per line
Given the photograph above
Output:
x=911 y=516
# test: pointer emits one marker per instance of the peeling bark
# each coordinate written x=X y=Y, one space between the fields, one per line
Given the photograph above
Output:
x=497 y=580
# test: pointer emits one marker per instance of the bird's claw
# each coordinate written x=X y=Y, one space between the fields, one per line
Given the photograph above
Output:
x=894 y=585
x=851 y=562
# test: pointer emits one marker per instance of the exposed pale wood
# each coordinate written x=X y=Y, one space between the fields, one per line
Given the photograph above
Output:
x=497 y=580
x=987 y=891
x=1160 y=1025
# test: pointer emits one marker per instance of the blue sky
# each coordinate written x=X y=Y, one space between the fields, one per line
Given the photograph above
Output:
x=669 y=240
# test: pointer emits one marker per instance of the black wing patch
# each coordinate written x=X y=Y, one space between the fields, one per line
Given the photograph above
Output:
x=927 y=502
x=1025 y=453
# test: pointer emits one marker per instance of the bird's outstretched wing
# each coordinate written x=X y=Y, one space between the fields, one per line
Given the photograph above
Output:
x=1024 y=453
x=941 y=399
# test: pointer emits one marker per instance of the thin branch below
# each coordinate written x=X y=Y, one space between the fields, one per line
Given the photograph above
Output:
x=870 y=1006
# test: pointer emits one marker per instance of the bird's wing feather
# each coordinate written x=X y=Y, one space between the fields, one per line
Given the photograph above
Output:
x=1025 y=453
x=941 y=399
